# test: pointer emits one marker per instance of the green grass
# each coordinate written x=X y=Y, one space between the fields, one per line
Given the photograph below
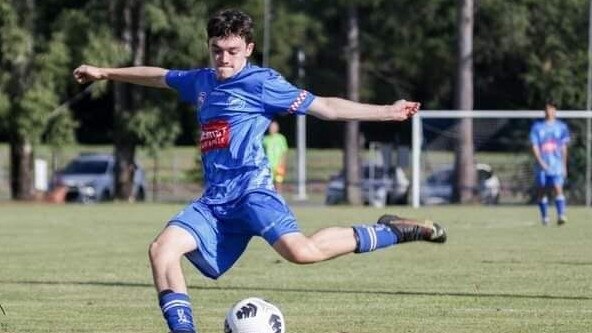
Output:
x=81 y=268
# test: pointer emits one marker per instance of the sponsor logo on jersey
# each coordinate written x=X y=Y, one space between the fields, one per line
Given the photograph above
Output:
x=214 y=135
x=549 y=146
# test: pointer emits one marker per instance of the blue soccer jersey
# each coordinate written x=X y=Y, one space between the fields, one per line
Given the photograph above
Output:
x=550 y=138
x=234 y=115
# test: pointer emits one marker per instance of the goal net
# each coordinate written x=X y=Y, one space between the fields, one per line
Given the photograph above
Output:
x=503 y=159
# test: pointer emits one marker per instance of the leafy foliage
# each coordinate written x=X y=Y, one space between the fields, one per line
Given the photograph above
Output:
x=156 y=130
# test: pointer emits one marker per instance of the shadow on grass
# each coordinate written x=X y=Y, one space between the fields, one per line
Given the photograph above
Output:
x=313 y=291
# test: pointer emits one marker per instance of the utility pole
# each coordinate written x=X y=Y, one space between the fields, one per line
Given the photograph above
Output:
x=301 y=136
x=266 y=31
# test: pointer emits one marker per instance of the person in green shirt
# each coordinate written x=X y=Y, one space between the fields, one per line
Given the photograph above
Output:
x=276 y=149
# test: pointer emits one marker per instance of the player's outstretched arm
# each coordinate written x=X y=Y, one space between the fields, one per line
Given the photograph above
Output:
x=334 y=108
x=142 y=75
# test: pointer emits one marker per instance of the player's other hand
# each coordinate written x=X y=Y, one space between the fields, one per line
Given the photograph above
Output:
x=544 y=166
x=403 y=110
x=86 y=73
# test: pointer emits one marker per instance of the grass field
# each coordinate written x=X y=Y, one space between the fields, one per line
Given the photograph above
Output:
x=84 y=269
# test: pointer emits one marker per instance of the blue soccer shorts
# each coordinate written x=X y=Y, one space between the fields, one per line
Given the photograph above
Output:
x=222 y=232
x=545 y=180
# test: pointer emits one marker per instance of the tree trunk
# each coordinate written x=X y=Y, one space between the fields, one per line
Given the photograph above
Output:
x=128 y=21
x=352 y=131
x=21 y=171
x=21 y=149
x=465 y=182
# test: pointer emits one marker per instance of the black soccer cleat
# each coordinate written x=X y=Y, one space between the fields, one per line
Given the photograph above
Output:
x=410 y=230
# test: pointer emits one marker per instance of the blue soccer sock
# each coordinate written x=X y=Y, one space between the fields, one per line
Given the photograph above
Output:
x=544 y=209
x=373 y=237
x=177 y=312
x=560 y=205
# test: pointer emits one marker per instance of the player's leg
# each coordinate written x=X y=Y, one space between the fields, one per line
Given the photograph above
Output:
x=332 y=242
x=542 y=201
x=267 y=215
x=560 y=204
x=192 y=233
x=325 y=244
x=165 y=255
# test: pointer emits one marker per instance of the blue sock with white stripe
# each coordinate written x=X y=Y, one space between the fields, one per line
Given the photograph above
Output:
x=373 y=237
x=177 y=312
x=544 y=209
x=560 y=205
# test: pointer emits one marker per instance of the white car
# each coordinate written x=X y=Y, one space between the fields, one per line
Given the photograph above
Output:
x=438 y=187
x=379 y=187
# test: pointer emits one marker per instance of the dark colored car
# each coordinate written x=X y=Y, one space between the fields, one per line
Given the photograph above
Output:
x=91 y=178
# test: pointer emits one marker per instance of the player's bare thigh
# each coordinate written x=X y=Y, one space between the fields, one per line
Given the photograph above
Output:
x=174 y=241
x=325 y=244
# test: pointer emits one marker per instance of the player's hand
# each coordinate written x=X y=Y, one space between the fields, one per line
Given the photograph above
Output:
x=86 y=73
x=403 y=110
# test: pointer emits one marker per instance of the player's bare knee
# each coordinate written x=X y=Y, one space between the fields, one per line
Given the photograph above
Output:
x=158 y=251
x=153 y=249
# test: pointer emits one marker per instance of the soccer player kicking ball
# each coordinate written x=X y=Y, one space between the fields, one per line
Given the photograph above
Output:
x=235 y=102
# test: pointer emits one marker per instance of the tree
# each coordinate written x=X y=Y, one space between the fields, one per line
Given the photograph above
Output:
x=133 y=33
x=35 y=62
x=465 y=176
x=155 y=135
x=17 y=48
x=351 y=147
x=127 y=20
x=33 y=65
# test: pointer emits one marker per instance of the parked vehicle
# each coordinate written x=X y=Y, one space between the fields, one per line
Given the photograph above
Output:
x=91 y=178
x=438 y=187
x=379 y=187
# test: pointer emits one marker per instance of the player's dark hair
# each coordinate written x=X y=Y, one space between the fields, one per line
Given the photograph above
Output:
x=229 y=22
x=551 y=102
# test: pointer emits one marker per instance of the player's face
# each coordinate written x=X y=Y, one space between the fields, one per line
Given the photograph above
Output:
x=550 y=112
x=229 y=55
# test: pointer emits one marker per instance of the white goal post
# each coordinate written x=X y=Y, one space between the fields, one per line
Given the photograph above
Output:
x=417 y=136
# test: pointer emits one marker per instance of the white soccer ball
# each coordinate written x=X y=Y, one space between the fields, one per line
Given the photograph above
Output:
x=254 y=315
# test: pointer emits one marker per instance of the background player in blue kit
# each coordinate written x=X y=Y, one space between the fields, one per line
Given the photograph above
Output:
x=549 y=138
x=236 y=102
